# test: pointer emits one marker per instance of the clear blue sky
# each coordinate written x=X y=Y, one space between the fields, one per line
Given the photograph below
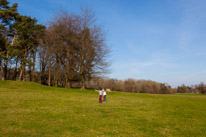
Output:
x=160 y=40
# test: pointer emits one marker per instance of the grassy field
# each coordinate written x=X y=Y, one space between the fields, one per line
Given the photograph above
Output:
x=30 y=109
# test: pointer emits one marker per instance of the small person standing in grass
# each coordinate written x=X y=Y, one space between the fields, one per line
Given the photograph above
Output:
x=104 y=94
x=100 y=96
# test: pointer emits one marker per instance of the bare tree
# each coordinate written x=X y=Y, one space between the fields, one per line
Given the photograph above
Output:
x=93 y=49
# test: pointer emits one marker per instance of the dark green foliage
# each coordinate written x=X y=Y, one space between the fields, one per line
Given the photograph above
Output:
x=8 y=15
x=28 y=32
x=19 y=37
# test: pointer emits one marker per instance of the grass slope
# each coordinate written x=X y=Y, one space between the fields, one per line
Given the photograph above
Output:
x=30 y=109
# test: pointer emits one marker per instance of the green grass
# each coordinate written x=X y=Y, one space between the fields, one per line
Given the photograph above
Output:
x=30 y=109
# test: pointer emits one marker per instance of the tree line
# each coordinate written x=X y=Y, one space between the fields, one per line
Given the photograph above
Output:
x=132 y=85
x=144 y=86
x=71 y=48
x=198 y=88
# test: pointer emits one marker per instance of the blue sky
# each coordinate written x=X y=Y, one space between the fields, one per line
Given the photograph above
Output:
x=160 y=40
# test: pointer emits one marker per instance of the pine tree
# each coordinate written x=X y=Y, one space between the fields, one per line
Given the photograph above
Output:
x=8 y=15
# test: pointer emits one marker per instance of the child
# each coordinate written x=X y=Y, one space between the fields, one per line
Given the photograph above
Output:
x=100 y=96
x=105 y=94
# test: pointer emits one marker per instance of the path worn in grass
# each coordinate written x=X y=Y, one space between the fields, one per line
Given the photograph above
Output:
x=30 y=109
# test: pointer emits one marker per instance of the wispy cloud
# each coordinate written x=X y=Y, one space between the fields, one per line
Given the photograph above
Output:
x=193 y=14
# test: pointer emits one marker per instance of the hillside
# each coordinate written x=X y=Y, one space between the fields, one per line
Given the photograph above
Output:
x=30 y=109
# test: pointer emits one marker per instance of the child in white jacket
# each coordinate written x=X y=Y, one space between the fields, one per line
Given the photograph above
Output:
x=104 y=94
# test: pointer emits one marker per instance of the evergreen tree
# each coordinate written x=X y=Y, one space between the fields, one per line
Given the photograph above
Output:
x=28 y=33
x=8 y=15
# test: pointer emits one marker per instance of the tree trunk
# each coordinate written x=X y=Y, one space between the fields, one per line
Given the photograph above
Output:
x=22 y=68
x=82 y=73
x=15 y=71
x=83 y=83
x=1 y=69
x=55 y=78
x=12 y=43
x=6 y=60
x=56 y=83
x=67 y=83
x=5 y=66
x=34 y=63
x=30 y=71
x=21 y=71
x=24 y=73
x=49 y=79
x=43 y=72
x=82 y=63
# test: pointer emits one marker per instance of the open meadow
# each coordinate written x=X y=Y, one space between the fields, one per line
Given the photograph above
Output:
x=30 y=109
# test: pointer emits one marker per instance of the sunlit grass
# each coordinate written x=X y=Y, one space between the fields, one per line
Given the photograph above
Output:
x=30 y=109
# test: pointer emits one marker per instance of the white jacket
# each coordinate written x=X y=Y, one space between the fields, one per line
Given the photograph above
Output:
x=100 y=92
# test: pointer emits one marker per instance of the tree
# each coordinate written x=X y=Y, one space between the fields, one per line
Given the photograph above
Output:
x=93 y=50
x=66 y=27
x=202 y=88
x=80 y=50
x=8 y=15
x=28 y=32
